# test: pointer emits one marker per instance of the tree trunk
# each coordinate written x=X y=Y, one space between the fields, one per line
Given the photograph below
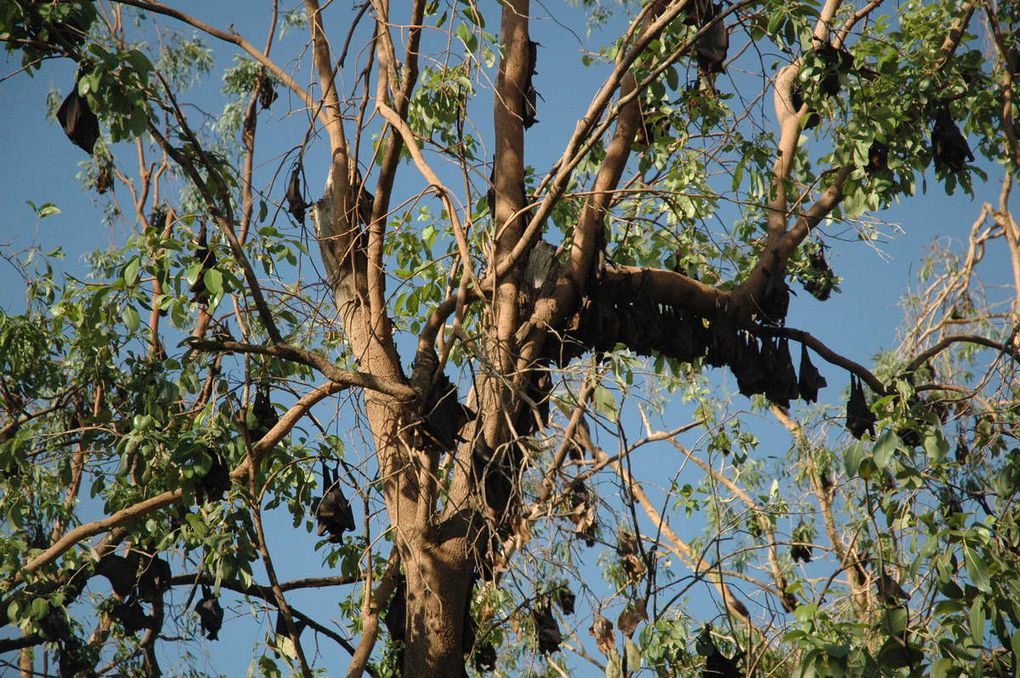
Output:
x=438 y=599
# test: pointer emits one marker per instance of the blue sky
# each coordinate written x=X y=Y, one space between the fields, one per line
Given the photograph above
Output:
x=40 y=165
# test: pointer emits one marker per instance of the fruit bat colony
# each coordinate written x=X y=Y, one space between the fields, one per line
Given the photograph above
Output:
x=624 y=313
x=332 y=511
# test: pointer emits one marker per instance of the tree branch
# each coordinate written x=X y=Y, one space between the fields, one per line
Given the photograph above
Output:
x=342 y=377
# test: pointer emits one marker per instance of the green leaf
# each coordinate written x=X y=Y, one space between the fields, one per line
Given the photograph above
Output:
x=47 y=209
x=853 y=458
x=130 y=275
x=976 y=568
x=131 y=318
x=1014 y=643
x=940 y=669
x=885 y=447
x=40 y=606
x=605 y=403
x=936 y=446
x=977 y=621
x=614 y=667
x=894 y=621
x=214 y=283
x=633 y=655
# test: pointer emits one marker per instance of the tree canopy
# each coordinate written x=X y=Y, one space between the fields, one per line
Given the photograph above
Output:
x=539 y=374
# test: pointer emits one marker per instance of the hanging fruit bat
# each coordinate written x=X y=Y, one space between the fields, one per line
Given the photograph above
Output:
x=748 y=367
x=294 y=196
x=811 y=118
x=333 y=511
x=263 y=412
x=267 y=92
x=104 y=177
x=71 y=658
x=582 y=512
x=602 y=630
x=280 y=628
x=859 y=417
x=723 y=343
x=484 y=657
x=530 y=93
x=775 y=300
x=878 y=158
x=782 y=384
x=948 y=143
x=204 y=255
x=822 y=279
x=800 y=553
x=215 y=482
x=154 y=575
x=79 y=122
x=549 y=636
x=565 y=598
x=717 y=665
x=131 y=616
x=157 y=217
x=396 y=613
x=810 y=380
x=210 y=614
x=712 y=47
x=834 y=61
x=889 y=590
x=696 y=12
x=490 y=195
x=444 y=415
x=121 y=574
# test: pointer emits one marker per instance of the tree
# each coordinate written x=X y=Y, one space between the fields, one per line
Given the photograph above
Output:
x=506 y=337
